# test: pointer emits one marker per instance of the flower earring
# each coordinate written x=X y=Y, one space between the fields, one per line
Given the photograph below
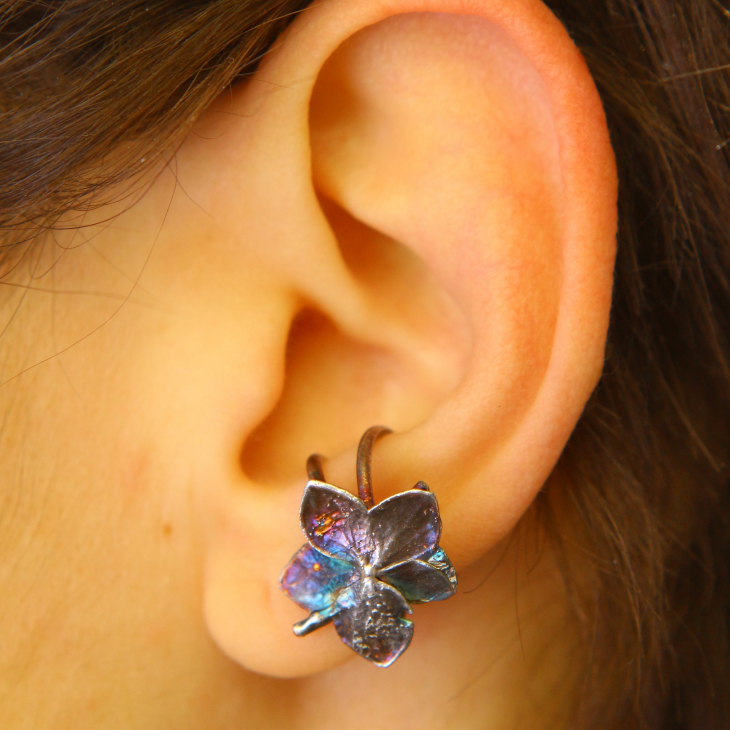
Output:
x=364 y=564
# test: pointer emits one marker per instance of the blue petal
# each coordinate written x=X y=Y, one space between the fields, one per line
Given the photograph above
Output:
x=419 y=581
x=312 y=579
x=439 y=559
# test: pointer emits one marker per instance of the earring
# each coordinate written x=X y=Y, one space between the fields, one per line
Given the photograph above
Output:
x=364 y=564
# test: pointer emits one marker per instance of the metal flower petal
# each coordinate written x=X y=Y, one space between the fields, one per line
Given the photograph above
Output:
x=371 y=621
x=418 y=581
x=313 y=580
x=336 y=523
x=439 y=559
x=405 y=526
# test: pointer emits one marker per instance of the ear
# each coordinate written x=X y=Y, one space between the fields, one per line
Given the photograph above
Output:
x=437 y=194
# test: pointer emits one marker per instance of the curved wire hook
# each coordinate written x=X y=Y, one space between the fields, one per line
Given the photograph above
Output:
x=364 y=459
x=315 y=469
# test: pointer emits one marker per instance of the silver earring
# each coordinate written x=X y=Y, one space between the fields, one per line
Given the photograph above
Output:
x=364 y=564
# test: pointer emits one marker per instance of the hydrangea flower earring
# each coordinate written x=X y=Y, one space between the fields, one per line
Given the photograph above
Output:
x=364 y=564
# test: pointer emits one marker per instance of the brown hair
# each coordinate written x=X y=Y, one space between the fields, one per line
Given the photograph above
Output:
x=648 y=497
x=649 y=459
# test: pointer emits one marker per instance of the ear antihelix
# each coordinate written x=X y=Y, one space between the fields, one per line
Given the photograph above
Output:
x=364 y=564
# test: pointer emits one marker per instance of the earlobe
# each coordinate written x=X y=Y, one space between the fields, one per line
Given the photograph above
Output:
x=474 y=141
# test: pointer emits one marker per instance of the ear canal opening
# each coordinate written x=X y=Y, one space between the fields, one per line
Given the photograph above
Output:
x=335 y=387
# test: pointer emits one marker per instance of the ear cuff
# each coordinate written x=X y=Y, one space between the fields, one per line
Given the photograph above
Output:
x=364 y=565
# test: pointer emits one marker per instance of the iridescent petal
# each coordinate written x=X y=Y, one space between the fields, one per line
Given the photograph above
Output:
x=439 y=559
x=335 y=522
x=418 y=581
x=373 y=625
x=313 y=579
x=405 y=526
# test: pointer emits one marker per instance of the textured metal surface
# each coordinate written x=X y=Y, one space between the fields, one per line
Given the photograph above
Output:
x=362 y=566
x=405 y=526
x=418 y=581
x=336 y=523
x=374 y=626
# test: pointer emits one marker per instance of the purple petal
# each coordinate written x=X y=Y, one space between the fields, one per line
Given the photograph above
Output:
x=336 y=523
x=374 y=626
x=418 y=581
x=312 y=579
x=405 y=526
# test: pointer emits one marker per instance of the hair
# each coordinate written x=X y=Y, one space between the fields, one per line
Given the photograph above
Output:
x=92 y=93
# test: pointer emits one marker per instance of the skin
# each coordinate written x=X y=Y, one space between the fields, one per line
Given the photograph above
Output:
x=411 y=224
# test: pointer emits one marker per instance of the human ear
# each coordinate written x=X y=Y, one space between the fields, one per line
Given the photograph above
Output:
x=438 y=198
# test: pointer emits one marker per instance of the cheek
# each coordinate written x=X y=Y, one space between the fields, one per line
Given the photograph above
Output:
x=135 y=478
x=107 y=446
x=93 y=565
